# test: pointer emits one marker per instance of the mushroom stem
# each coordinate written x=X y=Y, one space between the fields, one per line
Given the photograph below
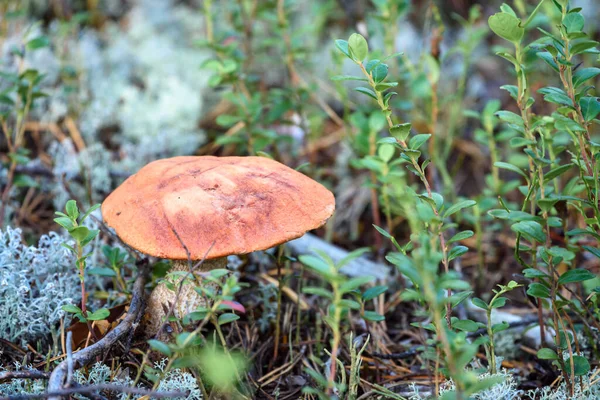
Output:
x=185 y=298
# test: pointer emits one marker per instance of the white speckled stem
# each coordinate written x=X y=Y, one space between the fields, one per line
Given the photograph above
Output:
x=161 y=298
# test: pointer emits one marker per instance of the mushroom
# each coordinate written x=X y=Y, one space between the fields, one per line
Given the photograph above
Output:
x=206 y=207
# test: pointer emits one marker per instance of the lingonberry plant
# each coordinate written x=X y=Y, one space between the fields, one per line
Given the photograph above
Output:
x=428 y=216
x=496 y=302
x=72 y=220
x=546 y=140
x=559 y=215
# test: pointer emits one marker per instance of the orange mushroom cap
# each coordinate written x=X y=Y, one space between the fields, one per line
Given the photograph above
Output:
x=237 y=205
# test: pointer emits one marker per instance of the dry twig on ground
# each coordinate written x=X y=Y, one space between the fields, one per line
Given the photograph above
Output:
x=23 y=374
x=93 y=389
x=58 y=381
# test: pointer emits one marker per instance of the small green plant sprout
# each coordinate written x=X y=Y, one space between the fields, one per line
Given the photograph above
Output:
x=357 y=347
x=364 y=297
x=221 y=290
x=116 y=261
x=339 y=307
x=72 y=221
x=496 y=302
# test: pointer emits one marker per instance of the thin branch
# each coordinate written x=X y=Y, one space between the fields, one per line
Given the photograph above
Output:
x=58 y=379
x=69 y=357
x=96 y=388
x=23 y=374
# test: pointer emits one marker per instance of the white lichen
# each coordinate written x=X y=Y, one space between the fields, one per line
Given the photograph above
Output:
x=35 y=282
x=505 y=390
x=16 y=387
x=586 y=388
x=135 y=93
x=173 y=381
x=145 y=80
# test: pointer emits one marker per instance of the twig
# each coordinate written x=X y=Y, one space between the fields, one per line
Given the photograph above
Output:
x=399 y=356
x=69 y=357
x=24 y=374
x=293 y=296
x=75 y=134
x=95 y=388
x=87 y=355
x=279 y=371
x=42 y=126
